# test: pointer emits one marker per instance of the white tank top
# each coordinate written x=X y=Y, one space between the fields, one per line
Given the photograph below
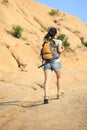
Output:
x=58 y=42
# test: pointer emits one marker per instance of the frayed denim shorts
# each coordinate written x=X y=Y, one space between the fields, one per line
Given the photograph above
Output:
x=52 y=66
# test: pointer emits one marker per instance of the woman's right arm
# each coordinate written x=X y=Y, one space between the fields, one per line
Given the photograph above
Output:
x=60 y=48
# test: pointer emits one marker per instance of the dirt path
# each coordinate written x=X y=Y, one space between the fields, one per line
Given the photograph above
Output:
x=19 y=112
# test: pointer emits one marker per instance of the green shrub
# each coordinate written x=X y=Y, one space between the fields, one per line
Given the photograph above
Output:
x=64 y=39
x=17 y=31
x=85 y=44
x=54 y=12
x=83 y=41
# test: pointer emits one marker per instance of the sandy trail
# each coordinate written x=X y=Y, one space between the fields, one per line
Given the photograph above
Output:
x=27 y=112
x=21 y=93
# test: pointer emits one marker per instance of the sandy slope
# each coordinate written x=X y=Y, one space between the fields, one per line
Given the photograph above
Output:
x=22 y=108
x=21 y=83
x=69 y=112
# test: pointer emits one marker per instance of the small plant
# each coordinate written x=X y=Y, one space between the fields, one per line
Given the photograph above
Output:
x=17 y=31
x=83 y=41
x=64 y=39
x=54 y=12
x=85 y=44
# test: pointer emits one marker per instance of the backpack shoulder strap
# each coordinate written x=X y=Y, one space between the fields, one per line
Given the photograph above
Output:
x=54 y=40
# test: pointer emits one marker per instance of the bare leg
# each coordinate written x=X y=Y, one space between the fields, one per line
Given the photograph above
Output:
x=58 y=76
x=46 y=82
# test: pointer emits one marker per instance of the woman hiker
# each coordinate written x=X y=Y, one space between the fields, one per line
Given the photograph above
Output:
x=54 y=65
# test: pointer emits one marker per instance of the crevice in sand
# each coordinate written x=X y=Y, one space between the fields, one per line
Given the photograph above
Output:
x=20 y=65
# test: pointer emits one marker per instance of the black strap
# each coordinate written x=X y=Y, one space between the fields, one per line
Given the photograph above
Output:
x=41 y=66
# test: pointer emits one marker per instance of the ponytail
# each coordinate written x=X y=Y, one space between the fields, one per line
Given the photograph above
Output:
x=51 y=33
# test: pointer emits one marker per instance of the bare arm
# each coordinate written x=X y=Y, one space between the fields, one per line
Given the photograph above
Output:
x=60 y=48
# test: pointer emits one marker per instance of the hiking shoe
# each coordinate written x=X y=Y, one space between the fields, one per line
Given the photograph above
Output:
x=57 y=96
x=60 y=95
x=45 y=101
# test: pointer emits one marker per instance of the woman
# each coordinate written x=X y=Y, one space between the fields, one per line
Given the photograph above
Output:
x=55 y=65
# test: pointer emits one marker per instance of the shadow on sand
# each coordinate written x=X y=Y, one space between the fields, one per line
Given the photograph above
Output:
x=26 y=104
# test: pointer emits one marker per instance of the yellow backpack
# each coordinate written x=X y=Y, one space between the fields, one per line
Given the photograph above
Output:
x=49 y=50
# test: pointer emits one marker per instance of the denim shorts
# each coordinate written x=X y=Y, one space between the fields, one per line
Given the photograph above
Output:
x=52 y=66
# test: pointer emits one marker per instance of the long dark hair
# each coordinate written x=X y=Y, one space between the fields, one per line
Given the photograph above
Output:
x=51 y=33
